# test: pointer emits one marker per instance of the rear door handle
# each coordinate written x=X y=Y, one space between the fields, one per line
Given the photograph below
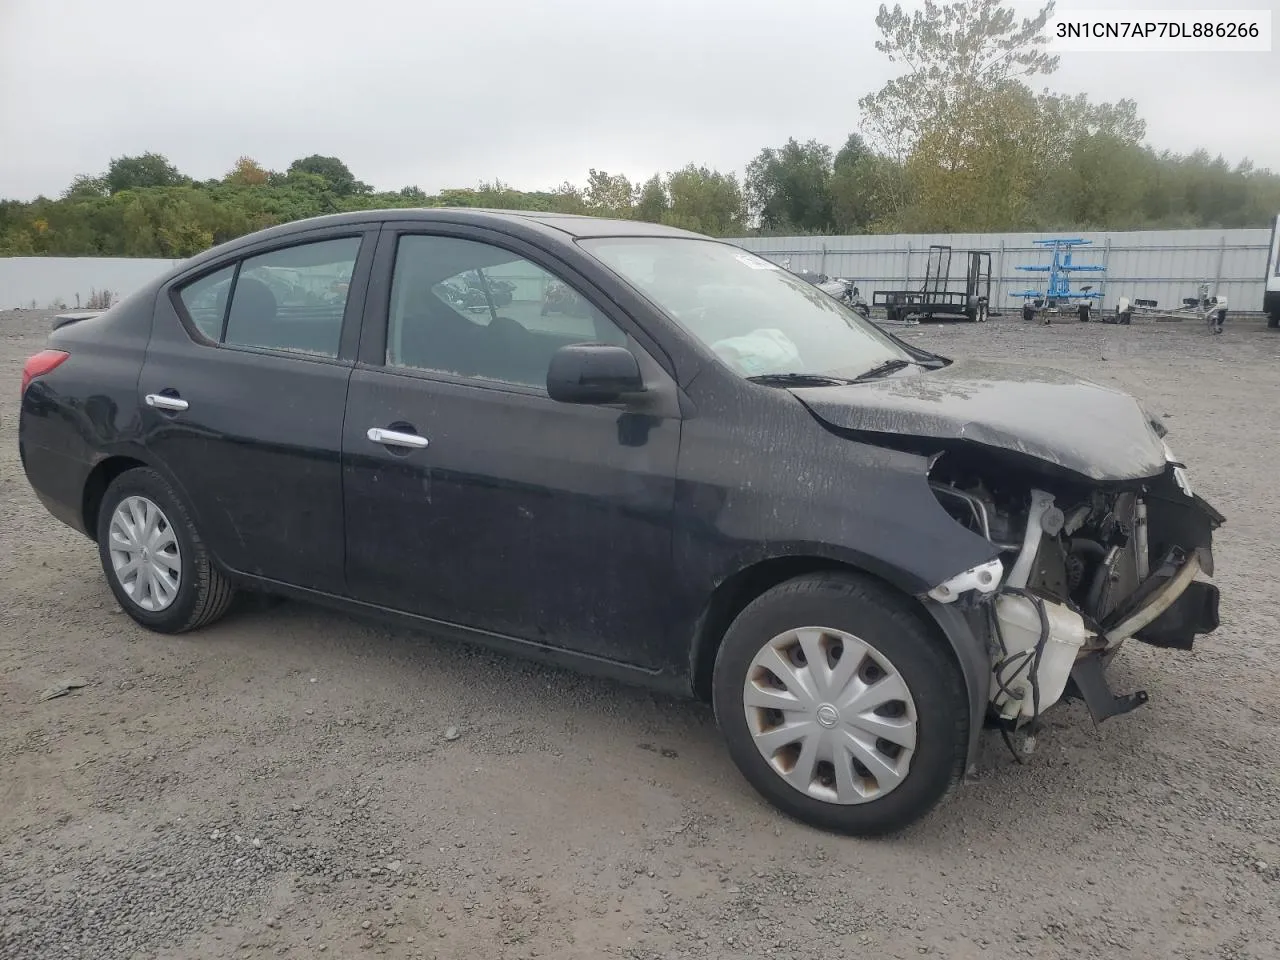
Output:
x=394 y=438
x=163 y=401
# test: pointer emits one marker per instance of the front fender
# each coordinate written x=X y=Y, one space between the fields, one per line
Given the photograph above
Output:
x=975 y=663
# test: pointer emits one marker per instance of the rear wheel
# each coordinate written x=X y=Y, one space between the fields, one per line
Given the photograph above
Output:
x=155 y=562
x=1273 y=320
x=1084 y=313
x=840 y=706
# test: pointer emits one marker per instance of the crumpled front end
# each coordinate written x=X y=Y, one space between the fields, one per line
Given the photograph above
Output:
x=1083 y=567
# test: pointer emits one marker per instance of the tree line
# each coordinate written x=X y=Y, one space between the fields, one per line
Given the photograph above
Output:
x=959 y=142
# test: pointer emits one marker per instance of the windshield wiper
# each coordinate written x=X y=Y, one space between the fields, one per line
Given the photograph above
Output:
x=889 y=366
x=800 y=380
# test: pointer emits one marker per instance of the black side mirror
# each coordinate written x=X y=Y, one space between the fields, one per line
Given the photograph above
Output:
x=593 y=373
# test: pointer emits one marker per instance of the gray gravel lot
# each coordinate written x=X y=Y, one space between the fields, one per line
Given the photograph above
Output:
x=282 y=784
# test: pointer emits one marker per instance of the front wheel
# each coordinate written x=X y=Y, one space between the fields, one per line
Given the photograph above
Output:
x=155 y=562
x=841 y=706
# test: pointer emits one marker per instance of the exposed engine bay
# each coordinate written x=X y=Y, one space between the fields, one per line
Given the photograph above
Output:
x=1081 y=568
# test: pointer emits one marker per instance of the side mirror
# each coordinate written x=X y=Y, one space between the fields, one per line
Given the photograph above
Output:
x=593 y=373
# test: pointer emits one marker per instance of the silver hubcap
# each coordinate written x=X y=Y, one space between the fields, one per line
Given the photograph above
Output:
x=144 y=553
x=831 y=715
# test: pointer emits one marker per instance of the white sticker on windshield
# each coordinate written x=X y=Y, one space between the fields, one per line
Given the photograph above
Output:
x=755 y=263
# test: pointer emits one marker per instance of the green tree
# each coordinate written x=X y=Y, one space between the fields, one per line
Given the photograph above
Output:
x=609 y=195
x=147 y=170
x=653 y=202
x=337 y=176
x=866 y=188
x=789 y=188
x=957 y=55
x=704 y=200
x=84 y=186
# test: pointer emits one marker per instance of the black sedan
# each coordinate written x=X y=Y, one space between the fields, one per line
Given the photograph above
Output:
x=632 y=450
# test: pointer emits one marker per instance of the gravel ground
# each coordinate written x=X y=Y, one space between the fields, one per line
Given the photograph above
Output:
x=295 y=783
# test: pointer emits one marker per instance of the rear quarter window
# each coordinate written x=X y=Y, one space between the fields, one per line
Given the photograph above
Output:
x=206 y=301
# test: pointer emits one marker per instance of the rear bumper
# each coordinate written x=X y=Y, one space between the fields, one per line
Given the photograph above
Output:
x=58 y=482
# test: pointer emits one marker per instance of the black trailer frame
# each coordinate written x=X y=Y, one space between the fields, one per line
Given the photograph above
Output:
x=936 y=298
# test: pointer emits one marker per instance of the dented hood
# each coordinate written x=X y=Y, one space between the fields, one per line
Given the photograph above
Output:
x=1048 y=414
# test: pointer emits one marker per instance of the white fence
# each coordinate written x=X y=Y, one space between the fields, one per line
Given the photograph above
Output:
x=1161 y=265
x=58 y=282
x=1164 y=265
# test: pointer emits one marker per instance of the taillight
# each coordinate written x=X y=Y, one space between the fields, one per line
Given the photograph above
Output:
x=40 y=364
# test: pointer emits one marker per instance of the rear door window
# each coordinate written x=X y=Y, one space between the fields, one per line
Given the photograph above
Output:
x=292 y=299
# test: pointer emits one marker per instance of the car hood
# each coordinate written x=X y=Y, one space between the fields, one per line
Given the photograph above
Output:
x=1040 y=412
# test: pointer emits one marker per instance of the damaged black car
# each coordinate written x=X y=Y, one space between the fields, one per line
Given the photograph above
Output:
x=633 y=451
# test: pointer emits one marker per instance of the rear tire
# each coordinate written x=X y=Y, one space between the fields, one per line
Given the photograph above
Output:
x=193 y=592
x=1273 y=320
x=904 y=677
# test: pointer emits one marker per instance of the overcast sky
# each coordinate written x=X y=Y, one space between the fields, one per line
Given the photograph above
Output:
x=447 y=94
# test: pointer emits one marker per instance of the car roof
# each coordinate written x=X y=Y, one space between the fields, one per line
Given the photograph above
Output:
x=554 y=226
x=573 y=224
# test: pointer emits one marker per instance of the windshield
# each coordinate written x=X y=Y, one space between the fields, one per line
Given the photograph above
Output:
x=758 y=318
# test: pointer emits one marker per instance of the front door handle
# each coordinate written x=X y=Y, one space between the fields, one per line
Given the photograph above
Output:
x=394 y=438
x=163 y=401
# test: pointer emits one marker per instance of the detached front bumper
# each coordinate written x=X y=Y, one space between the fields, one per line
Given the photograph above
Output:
x=1172 y=615
x=1174 y=608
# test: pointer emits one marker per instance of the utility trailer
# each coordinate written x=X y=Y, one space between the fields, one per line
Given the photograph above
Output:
x=936 y=298
x=1211 y=311
x=1059 y=299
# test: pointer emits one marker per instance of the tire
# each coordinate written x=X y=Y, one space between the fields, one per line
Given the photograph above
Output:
x=893 y=639
x=203 y=594
x=1084 y=313
x=1273 y=320
x=1028 y=312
